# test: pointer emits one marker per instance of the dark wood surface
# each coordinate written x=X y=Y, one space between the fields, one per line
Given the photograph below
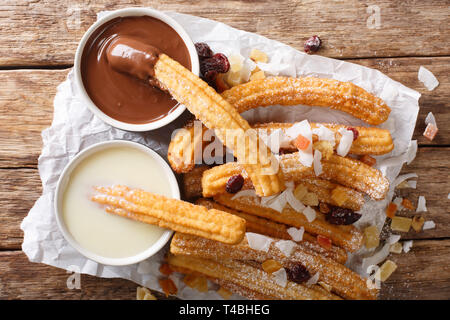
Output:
x=37 y=45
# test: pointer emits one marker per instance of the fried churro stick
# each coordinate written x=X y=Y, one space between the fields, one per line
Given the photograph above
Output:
x=249 y=277
x=171 y=213
x=371 y=141
x=343 y=281
x=343 y=96
x=217 y=114
x=277 y=230
x=345 y=236
x=346 y=171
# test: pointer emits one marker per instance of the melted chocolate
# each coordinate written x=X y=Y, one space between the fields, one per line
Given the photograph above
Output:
x=126 y=98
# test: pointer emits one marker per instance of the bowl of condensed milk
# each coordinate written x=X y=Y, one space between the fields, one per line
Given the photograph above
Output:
x=98 y=235
x=126 y=102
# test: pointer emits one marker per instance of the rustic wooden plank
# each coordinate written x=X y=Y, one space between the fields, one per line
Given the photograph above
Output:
x=423 y=273
x=26 y=106
x=46 y=32
x=21 y=187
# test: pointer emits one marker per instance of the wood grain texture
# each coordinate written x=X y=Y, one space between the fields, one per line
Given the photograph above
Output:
x=46 y=32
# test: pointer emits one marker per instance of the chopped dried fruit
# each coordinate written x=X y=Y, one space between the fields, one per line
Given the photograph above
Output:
x=430 y=131
x=312 y=44
x=370 y=161
x=298 y=273
x=224 y=293
x=324 y=208
x=342 y=216
x=391 y=210
x=271 y=265
x=165 y=269
x=196 y=282
x=301 y=142
x=324 y=242
x=218 y=62
x=408 y=204
x=258 y=56
x=385 y=271
x=310 y=199
x=339 y=195
x=371 y=237
x=168 y=287
x=258 y=75
x=234 y=75
x=144 y=294
x=355 y=133
x=401 y=224
x=417 y=223
x=203 y=50
x=220 y=84
x=235 y=183
x=396 y=248
x=300 y=192
x=325 y=147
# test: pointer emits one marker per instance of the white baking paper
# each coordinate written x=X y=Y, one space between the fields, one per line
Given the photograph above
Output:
x=74 y=128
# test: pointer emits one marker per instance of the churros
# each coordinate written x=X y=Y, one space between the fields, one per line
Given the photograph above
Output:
x=246 y=276
x=171 y=213
x=345 y=236
x=343 y=281
x=343 y=96
x=217 y=114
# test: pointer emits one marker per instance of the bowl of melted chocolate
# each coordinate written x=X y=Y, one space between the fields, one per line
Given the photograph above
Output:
x=113 y=67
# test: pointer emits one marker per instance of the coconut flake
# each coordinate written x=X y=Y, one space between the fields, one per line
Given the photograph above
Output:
x=404 y=177
x=407 y=245
x=376 y=258
x=325 y=134
x=258 y=242
x=427 y=78
x=296 y=234
x=280 y=277
x=310 y=214
x=429 y=225
x=430 y=119
x=394 y=238
x=303 y=128
x=313 y=280
x=398 y=202
x=266 y=200
x=279 y=202
x=317 y=163
x=285 y=246
x=411 y=152
x=245 y=193
x=276 y=140
x=345 y=143
x=421 y=204
x=293 y=201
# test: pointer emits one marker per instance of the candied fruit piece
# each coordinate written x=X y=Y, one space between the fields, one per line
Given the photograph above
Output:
x=325 y=147
x=312 y=44
x=258 y=56
x=310 y=199
x=224 y=293
x=430 y=131
x=300 y=192
x=298 y=273
x=342 y=216
x=417 y=223
x=401 y=224
x=259 y=75
x=271 y=266
x=396 y=248
x=196 y=282
x=168 y=287
x=408 y=204
x=391 y=210
x=324 y=242
x=371 y=237
x=324 y=208
x=165 y=269
x=144 y=294
x=234 y=184
x=385 y=270
x=339 y=195
x=370 y=161
x=301 y=142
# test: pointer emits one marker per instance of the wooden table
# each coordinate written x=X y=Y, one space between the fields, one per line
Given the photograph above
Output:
x=37 y=44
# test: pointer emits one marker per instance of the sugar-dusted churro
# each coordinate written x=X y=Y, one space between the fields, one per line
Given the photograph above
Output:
x=249 y=277
x=345 y=236
x=277 y=230
x=343 y=281
x=349 y=172
x=217 y=114
x=370 y=141
x=343 y=96
x=171 y=213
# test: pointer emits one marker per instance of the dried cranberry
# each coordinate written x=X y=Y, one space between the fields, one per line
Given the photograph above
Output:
x=342 y=216
x=355 y=133
x=298 y=273
x=218 y=62
x=203 y=50
x=312 y=44
x=235 y=183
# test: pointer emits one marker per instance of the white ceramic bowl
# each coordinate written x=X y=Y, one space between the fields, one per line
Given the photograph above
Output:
x=62 y=184
x=127 y=12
